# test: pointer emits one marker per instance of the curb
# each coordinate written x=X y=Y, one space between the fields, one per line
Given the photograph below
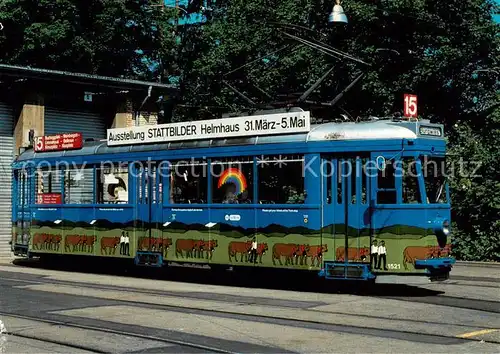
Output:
x=478 y=263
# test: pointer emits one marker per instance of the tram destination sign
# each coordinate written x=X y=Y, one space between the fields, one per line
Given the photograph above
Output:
x=269 y=124
x=57 y=142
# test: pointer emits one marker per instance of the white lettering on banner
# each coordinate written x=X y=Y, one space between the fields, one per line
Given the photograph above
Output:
x=271 y=124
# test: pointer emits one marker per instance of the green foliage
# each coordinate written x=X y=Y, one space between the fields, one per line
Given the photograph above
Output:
x=475 y=159
x=94 y=36
x=440 y=44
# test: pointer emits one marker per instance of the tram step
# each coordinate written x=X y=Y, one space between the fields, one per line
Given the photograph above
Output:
x=149 y=259
x=346 y=271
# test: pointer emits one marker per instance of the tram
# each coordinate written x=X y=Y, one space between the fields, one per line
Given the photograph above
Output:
x=348 y=200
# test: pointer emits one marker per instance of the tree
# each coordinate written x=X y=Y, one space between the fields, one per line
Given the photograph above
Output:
x=114 y=38
x=475 y=157
x=431 y=48
x=439 y=48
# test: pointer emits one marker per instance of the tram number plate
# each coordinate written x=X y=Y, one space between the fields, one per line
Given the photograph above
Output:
x=394 y=266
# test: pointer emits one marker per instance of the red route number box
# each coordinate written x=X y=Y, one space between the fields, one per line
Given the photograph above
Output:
x=49 y=198
x=410 y=106
x=66 y=141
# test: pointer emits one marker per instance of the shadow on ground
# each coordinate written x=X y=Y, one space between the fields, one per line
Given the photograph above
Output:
x=241 y=277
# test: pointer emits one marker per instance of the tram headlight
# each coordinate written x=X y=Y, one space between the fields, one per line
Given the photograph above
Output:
x=442 y=230
x=446 y=228
x=441 y=227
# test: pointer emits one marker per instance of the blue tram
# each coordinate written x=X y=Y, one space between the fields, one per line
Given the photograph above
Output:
x=344 y=200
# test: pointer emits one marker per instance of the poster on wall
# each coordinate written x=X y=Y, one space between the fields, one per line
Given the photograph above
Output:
x=49 y=198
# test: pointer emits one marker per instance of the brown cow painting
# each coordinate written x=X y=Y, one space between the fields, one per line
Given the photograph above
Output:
x=109 y=243
x=187 y=247
x=261 y=250
x=88 y=243
x=302 y=254
x=286 y=250
x=412 y=253
x=37 y=241
x=154 y=244
x=316 y=254
x=210 y=247
x=238 y=247
x=354 y=253
x=79 y=243
x=43 y=241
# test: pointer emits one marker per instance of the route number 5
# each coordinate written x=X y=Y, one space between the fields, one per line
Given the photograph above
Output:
x=410 y=109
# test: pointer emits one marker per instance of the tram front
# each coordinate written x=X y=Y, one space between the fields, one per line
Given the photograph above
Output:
x=410 y=214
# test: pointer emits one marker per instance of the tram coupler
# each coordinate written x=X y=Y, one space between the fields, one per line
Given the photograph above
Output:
x=346 y=271
x=148 y=259
x=437 y=269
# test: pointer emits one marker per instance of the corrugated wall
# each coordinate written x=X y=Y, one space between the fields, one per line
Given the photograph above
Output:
x=6 y=156
x=91 y=125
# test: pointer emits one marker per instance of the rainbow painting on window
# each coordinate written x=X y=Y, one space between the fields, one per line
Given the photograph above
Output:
x=234 y=176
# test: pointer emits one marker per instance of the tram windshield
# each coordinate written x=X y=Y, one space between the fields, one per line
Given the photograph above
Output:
x=434 y=171
x=432 y=179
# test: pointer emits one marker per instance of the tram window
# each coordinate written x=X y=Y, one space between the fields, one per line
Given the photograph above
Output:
x=340 y=182
x=22 y=188
x=435 y=183
x=328 y=171
x=188 y=182
x=232 y=180
x=48 y=182
x=386 y=182
x=364 y=181
x=112 y=185
x=281 y=180
x=354 y=174
x=386 y=177
x=79 y=186
x=411 y=190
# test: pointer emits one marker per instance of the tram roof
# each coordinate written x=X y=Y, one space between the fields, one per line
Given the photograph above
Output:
x=348 y=131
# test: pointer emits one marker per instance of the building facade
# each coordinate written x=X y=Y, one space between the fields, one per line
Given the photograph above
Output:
x=47 y=102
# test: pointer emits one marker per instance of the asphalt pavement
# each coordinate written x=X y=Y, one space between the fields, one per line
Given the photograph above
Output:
x=99 y=309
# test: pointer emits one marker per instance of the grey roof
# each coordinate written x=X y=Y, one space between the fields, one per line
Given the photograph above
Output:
x=370 y=130
x=79 y=78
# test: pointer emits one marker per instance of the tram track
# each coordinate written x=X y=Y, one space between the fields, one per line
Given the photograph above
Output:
x=69 y=324
x=444 y=300
x=57 y=342
x=234 y=303
x=275 y=320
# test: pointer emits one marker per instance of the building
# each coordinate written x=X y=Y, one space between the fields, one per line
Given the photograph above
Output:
x=49 y=102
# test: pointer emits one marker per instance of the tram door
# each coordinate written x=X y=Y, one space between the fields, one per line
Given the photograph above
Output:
x=149 y=206
x=346 y=212
x=23 y=197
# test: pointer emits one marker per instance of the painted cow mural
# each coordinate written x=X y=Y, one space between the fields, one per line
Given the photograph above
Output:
x=238 y=247
x=355 y=254
x=412 y=253
x=109 y=244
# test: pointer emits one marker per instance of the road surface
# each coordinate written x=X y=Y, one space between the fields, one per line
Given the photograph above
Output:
x=67 y=310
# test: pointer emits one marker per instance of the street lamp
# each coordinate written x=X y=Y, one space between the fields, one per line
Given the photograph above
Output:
x=337 y=14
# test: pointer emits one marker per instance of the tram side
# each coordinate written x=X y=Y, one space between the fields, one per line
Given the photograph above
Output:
x=314 y=206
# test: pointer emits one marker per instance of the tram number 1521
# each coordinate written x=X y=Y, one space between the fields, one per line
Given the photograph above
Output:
x=394 y=266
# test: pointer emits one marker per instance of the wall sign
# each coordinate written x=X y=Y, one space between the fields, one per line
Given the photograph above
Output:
x=269 y=124
x=49 y=198
x=67 y=141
